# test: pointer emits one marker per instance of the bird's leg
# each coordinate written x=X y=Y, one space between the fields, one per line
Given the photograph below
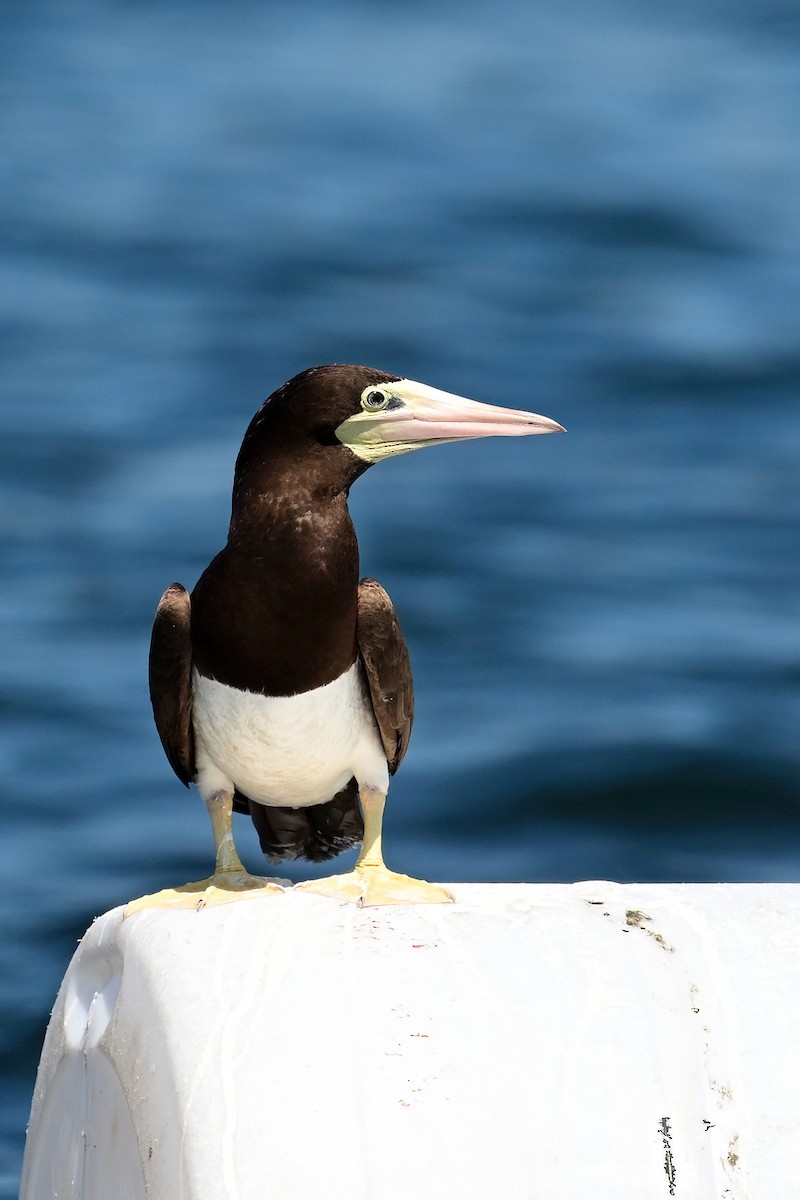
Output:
x=373 y=803
x=370 y=881
x=230 y=880
x=220 y=810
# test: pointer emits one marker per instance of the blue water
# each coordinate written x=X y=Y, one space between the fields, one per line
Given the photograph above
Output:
x=592 y=211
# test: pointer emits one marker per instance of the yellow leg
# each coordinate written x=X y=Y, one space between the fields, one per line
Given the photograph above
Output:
x=230 y=880
x=370 y=881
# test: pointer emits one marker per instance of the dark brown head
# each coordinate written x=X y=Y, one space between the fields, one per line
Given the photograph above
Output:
x=323 y=428
x=294 y=431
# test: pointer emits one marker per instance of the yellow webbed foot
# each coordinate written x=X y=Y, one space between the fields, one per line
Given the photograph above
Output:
x=221 y=888
x=370 y=885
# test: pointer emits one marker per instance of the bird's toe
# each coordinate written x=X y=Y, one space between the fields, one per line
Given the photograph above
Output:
x=221 y=888
x=368 y=886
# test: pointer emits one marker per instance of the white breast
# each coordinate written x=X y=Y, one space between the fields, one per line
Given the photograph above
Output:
x=287 y=751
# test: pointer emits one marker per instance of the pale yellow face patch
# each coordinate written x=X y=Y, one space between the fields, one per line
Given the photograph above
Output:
x=366 y=432
x=404 y=415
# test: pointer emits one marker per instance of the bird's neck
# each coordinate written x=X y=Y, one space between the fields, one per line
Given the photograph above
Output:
x=276 y=611
x=288 y=516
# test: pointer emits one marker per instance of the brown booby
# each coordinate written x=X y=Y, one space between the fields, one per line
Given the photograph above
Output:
x=282 y=686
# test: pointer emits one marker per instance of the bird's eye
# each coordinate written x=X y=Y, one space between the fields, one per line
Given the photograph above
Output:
x=374 y=401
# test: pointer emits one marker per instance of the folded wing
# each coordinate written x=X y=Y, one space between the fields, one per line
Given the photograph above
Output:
x=387 y=668
x=171 y=679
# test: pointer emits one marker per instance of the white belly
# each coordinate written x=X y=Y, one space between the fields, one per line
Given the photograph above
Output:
x=287 y=751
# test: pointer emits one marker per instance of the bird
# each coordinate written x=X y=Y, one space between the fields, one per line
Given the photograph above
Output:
x=281 y=686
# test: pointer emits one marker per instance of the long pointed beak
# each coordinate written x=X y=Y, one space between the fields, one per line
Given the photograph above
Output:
x=417 y=415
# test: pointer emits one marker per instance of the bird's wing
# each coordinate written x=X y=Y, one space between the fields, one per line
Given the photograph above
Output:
x=171 y=679
x=388 y=670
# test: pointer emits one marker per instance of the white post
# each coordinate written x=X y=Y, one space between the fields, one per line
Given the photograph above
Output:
x=529 y=1042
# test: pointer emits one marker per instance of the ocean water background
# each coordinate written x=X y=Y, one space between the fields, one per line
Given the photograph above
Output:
x=592 y=211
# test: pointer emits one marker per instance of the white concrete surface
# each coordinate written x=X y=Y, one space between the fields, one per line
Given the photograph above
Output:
x=530 y=1042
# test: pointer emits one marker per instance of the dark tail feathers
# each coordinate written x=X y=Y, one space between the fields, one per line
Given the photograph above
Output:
x=315 y=833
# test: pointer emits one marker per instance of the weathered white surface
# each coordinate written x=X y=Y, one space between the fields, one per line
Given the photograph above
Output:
x=530 y=1041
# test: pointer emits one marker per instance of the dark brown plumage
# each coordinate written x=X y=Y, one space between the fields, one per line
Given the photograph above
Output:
x=321 y=830
x=279 y=629
x=279 y=611
x=171 y=679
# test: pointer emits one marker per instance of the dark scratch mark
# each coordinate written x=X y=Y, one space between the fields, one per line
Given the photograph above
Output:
x=669 y=1163
x=634 y=917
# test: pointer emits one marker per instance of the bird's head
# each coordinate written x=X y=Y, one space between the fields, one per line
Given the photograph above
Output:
x=328 y=424
x=376 y=415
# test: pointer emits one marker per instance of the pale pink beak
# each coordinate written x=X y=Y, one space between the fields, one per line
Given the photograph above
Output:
x=438 y=416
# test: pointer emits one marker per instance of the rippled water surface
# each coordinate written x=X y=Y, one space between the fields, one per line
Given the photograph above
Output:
x=591 y=211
